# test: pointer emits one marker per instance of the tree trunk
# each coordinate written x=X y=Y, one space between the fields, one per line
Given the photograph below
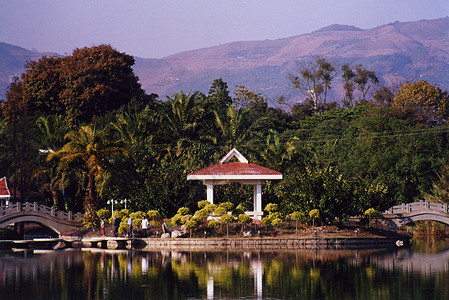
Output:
x=89 y=201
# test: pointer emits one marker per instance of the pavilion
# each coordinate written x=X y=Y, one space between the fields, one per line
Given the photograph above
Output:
x=243 y=172
x=7 y=193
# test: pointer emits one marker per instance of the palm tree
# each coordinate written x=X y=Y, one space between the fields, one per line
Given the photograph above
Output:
x=277 y=153
x=235 y=127
x=182 y=118
x=51 y=132
x=91 y=152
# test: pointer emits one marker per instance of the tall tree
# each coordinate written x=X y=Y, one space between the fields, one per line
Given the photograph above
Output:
x=90 y=151
x=348 y=85
x=82 y=86
x=363 y=80
x=182 y=118
x=313 y=78
x=19 y=116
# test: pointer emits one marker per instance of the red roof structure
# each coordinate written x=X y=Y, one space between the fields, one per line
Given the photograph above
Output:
x=6 y=192
x=242 y=171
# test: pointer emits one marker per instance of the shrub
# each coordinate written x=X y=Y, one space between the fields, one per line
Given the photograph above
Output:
x=271 y=207
x=240 y=209
x=213 y=224
x=103 y=213
x=203 y=203
x=227 y=205
x=220 y=211
x=183 y=211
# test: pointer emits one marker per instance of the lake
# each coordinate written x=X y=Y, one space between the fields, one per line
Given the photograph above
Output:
x=417 y=272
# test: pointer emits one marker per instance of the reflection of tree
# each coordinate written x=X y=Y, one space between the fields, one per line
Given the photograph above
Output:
x=90 y=274
x=231 y=275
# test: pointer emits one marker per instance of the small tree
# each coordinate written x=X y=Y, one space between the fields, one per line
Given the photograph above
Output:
x=153 y=214
x=371 y=213
x=244 y=219
x=314 y=214
x=182 y=216
x=213 y=224
x=296 y=216
x=190 y=224
x=226 y=219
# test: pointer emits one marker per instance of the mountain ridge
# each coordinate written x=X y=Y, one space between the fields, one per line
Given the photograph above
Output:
x=396 y=51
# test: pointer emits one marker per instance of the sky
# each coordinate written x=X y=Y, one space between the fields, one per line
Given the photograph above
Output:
x=158 y=28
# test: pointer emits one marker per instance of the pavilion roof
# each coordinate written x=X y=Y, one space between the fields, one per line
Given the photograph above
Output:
x=5 y=191
x=241 y=170
x=8 y=192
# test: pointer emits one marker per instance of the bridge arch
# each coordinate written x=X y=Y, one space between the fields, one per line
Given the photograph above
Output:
x=403 y=214
x=59 y=222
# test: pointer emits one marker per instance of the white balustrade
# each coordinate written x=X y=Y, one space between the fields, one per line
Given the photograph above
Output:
x=51 y=211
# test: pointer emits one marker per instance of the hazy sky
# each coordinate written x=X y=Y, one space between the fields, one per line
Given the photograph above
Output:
x=157 y=28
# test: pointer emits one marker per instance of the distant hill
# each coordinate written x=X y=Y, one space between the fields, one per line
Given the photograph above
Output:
x=12 y=63
x=396 y=51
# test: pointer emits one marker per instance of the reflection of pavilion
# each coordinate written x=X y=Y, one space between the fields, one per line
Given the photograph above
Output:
x=243 y=172
x=257 y=270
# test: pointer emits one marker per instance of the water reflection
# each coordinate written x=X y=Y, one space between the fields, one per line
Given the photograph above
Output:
x=304 y=274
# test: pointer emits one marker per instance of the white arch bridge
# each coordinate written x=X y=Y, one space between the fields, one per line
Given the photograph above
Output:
x=59 y=221
x=405 y=213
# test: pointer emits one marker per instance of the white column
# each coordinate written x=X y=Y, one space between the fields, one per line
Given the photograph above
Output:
x=258 y=199
x=210 y=193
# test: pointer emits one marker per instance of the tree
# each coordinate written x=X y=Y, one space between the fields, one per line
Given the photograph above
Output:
x=313 y=78
x=235 y=128
x=226 y=218
x=297 y=216
x=424 y=100
x=182 y=118
x=314 y=214
x=371 y=213
x=348 y=85
x=247 y=99
x=82 y=86
x=20 y=138
x=363 y=80
x=51 y=132
x=326 y=190
x=440 y=188
x=91 y=151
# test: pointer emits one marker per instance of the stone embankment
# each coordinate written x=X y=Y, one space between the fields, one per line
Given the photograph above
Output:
x=209 y=244
x=268 y=243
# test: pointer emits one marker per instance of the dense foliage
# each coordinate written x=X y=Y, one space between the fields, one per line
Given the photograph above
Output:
x=80 y=131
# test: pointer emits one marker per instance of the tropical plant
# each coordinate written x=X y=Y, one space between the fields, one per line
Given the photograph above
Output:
x=90 y=151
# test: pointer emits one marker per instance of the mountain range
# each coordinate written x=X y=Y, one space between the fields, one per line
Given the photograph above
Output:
x=397 y=51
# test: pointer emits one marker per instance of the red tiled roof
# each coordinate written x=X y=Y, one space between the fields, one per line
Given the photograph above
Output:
x=235 y=168
x=4 y=190
x=7 y=192
x=242 y=170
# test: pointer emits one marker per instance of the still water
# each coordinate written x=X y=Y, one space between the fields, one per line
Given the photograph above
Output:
x=404 y=273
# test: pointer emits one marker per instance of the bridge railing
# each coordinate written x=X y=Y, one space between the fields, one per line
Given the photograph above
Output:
x=34 y=206
x=417 y=206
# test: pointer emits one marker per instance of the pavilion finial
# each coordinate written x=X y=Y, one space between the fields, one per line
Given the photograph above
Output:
x=231 y=154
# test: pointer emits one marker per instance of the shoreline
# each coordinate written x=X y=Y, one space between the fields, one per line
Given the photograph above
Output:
x=210 y=244
x=259 y=243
